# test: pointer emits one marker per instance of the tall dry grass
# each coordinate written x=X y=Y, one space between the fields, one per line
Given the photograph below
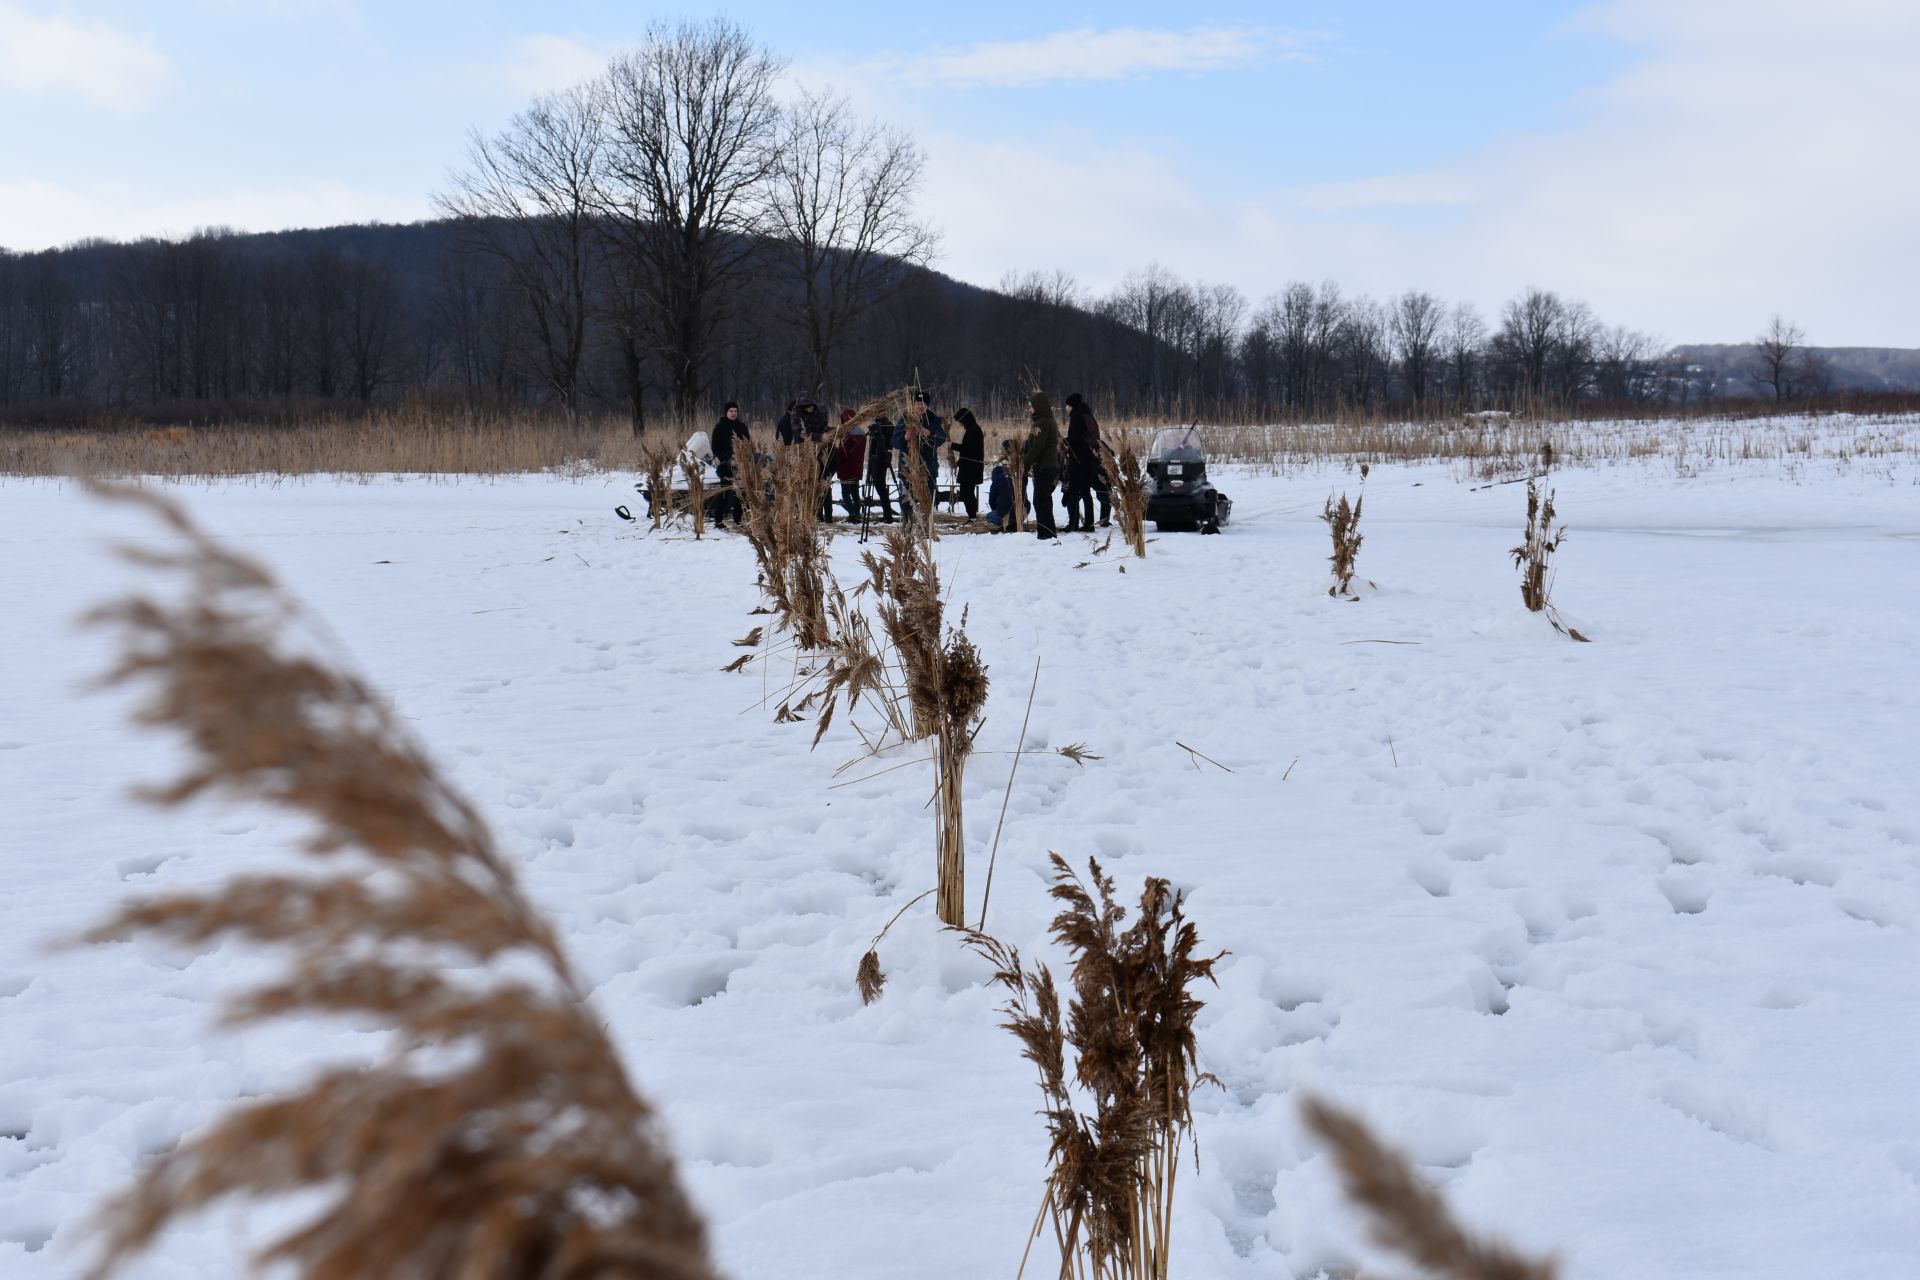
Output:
x=1125 y=1044
x=499 y=1137
x=423 y=439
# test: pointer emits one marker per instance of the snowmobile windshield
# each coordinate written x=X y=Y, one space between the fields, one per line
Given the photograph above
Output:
x=1177 y=444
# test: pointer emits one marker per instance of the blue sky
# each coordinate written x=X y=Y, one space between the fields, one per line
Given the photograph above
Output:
x=1688 y=166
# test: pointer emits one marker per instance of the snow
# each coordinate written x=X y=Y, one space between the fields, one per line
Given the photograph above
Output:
x=1617 y=939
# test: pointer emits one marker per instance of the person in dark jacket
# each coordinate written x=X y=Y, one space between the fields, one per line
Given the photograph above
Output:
x=880 y=465
x=1083 y=463
x=1086 y=476
x=726 y=432
x=969 y=460
x=917 y=440
x=789 y=429
x=1000 y=491
x=1042 y=454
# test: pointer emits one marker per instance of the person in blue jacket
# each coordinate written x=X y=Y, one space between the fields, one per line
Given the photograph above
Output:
x=1000 y=491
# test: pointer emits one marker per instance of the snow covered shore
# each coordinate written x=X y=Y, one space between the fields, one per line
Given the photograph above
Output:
x=1618 y=939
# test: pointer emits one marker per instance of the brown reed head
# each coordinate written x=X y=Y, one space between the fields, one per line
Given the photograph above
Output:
x=499 y=1135
x=1408 y=1216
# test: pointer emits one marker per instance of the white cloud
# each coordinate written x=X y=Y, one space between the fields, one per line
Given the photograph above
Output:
x=89 y=60
x=42 y=215
x=1087 y=53
x=545 y=64
x=1751 y=158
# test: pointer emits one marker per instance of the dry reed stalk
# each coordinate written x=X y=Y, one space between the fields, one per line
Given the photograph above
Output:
x=1343 y=522
x=1534 y=558
x=1129 y=1026
x=499 y=1136
x=1128 y=479
x=780 y=502
x=1408 y=1216
x=946 y=691
x=659 y=465
x=695 y=472
x=1017 y=472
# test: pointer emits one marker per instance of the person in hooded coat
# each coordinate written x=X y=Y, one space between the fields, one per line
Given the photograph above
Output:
x=1083 y=463
x=969 y=460
x=1086 y=466
x=1042 y=455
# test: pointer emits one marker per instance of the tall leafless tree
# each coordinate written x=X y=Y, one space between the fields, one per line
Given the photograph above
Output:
x=842 y=210
x=692 y=130
x=1416 y=322
x=1464 y=341
x=527 y=200
x=1774 y=355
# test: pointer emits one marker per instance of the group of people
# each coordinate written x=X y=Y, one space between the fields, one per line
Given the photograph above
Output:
x=884 y=455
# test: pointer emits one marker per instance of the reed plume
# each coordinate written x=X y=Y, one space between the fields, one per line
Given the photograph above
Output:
x=1128 y=1035
x=780 y=499
x=1343 y=522
x=1129 y=481
x=659 y=464
x=946 y=690
x=1534 y=556
x=1408 y=1216
x=498 y=1136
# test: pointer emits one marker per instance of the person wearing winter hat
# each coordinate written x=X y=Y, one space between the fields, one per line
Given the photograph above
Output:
x=731 y=428
x=969 y=460
x=1042 y=454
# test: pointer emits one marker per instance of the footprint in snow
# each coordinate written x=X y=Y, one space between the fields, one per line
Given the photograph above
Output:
x=1686 y=897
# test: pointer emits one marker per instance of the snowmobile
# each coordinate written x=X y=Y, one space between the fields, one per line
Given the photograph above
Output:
x=1180 y=498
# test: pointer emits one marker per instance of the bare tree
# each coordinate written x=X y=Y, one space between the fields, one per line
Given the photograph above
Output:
x=1416 y=322
x=372 y=304
x=1625 y=368
x=1466 y=338
x=693 y=123
x=842 y=208
x=1218 y=311
x=527 y=201
x=1774 y=355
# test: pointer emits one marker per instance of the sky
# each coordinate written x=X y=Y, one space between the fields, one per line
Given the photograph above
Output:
x=1688 y=167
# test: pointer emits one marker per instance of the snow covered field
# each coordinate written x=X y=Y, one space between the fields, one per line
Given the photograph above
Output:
x=1619 y=940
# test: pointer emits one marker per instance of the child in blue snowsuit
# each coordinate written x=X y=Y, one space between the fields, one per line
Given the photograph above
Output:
x=1000 y=492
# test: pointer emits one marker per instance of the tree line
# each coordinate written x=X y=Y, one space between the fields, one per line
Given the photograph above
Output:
x=672 y=233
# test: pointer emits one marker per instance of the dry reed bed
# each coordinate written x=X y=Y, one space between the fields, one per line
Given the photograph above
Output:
x=419 y=441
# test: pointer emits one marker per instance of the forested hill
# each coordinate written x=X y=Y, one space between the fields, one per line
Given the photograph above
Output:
x=222 y=322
